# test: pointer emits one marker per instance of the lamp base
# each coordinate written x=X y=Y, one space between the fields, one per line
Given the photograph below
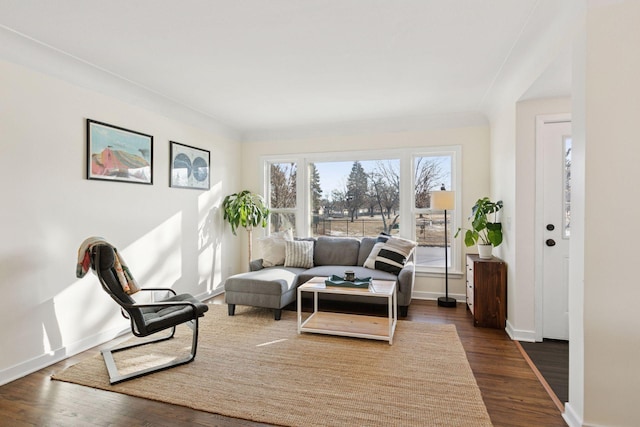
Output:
x=446 y=302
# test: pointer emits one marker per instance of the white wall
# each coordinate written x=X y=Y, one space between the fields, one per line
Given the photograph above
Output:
x=612 y=208
x=522 y=285
x=511 y=165
x=169 y=237
x=475 y=170
x=605 y=342
x=503 y=180
x=574 y=409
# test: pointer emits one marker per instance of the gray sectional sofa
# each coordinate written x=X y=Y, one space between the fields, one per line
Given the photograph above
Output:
x=275 y=286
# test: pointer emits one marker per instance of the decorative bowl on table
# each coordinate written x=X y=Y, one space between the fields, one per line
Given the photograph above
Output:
x=357 y=282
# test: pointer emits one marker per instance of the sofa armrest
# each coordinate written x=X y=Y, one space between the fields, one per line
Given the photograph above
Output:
x=255 y=265
x=406 y=279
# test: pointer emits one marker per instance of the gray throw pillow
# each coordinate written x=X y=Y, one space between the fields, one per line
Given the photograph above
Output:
x=299 y=253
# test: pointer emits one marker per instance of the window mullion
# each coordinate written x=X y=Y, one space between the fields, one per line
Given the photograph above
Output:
x=407 y=197
x=302 y=197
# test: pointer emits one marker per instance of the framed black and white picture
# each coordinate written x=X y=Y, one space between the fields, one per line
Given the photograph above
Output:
x=189 y=167
x=118 y=154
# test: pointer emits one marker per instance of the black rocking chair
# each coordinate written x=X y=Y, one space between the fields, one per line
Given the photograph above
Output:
x=146 y=318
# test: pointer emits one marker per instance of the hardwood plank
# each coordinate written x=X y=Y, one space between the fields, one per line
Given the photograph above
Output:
x=551 y=358
x=512 y=393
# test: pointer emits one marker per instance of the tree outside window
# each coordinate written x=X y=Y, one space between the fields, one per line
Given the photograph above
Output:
x=282 y=195
x=431 y=173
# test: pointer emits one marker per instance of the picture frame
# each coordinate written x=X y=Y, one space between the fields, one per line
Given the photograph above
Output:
x=118 y=154
x=189 y=167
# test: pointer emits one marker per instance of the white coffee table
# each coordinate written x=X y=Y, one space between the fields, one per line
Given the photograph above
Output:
x=350 y=325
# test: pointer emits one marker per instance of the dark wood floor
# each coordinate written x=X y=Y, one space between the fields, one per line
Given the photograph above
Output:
x=551 y=358
x=511 y=392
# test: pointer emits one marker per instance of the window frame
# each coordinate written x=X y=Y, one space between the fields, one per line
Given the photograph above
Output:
x=408 y=211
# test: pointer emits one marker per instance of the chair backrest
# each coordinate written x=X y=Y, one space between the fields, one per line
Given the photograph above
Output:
x=103 y=262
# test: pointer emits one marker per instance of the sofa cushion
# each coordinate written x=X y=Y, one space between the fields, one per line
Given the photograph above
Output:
x=393 y=254
x=299 y=253
x=271 y=281
x=336 y=251
x=366 y=245
x=272 y=247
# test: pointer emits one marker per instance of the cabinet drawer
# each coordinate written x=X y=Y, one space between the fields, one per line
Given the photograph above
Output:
x=470 y=285
x=470 y=273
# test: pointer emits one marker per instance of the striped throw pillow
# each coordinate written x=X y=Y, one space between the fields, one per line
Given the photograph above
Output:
x=394 y=254
x=298 y=253
x=371 y=259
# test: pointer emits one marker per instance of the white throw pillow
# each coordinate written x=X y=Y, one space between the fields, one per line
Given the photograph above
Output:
x=272 y=247
x=298 y=253
x=371 y=259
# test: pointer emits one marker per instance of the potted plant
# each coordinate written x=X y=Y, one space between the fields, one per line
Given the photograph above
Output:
x=247 y=210
x=485 y=233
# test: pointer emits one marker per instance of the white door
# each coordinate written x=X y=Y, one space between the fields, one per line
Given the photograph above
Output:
x=553 y=146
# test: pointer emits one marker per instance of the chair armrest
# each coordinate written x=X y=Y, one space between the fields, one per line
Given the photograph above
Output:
x=159 y=289
x=162 y=304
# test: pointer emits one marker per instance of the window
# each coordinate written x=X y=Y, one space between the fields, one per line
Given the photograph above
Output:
x=566 y=218
x=355 y=198
x=365 y=193
x=431 y=173
x=282 y=195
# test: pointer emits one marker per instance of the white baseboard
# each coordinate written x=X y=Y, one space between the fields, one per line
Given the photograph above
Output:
x=209 y=294
x=30 y=366
x=520 y=335
x=571 y=417
x=435 y=295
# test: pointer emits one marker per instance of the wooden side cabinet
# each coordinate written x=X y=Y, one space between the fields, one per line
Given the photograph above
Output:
x=487 y=291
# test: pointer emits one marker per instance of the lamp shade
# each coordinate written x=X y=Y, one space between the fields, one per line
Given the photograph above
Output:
x=443 y=200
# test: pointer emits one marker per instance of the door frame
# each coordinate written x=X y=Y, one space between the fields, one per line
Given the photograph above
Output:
x=539 y=222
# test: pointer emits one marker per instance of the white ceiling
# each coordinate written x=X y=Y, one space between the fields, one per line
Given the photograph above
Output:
x=263 y=65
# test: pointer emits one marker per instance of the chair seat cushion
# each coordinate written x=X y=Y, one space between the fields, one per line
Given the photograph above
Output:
x=158 y=318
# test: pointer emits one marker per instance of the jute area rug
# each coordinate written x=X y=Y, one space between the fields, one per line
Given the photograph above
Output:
x=251 y=367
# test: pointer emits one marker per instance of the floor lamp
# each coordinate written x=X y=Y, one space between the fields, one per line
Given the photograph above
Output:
x=444 y=201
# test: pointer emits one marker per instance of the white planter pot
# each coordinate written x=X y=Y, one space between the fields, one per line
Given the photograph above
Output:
x=484 y=251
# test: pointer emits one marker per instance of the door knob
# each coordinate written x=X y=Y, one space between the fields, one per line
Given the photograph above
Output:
x=550 y=242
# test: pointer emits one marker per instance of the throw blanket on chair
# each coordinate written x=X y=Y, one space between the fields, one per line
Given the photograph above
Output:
x=129 y=284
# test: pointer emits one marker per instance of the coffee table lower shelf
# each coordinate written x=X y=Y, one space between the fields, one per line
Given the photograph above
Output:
x=349 y=325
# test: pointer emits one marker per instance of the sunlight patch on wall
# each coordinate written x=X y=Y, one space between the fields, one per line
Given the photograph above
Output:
x=155 y=259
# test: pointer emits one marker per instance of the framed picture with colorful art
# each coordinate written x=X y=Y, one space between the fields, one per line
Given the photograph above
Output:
x=189 y=167
x=118 y=154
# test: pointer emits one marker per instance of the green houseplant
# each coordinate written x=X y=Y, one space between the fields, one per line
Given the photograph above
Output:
x=247 y=210
x=485 y=230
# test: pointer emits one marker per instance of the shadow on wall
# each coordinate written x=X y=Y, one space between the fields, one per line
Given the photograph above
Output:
x=209 y=242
